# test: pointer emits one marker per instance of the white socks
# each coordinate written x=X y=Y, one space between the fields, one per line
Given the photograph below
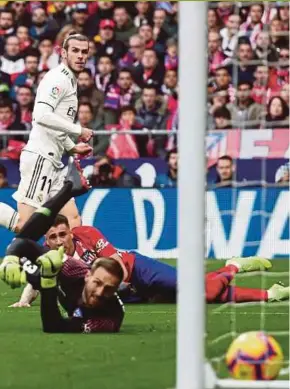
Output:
x=8 y=217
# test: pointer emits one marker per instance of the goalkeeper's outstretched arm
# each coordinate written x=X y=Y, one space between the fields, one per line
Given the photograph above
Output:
x=54 y=322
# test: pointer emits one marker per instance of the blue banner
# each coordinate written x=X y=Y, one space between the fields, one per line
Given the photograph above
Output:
x=240 y=222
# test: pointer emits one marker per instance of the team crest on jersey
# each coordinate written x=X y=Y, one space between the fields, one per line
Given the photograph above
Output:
x=77 y=313
x=88 y=256
x=40 y=197
x=55 y=91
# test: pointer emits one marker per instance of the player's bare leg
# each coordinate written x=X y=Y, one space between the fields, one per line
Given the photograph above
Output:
x=9 y=218
x=24 y=212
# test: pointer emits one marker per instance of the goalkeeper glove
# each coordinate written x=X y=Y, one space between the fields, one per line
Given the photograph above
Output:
x=50 y=265
x=11 y=272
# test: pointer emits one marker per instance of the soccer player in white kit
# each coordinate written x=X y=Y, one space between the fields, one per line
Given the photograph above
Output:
x=53 y=132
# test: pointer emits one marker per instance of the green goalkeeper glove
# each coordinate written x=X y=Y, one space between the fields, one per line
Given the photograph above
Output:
x=50 y=265
x=11 y=272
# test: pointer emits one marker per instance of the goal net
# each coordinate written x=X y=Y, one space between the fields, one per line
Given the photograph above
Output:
x=247 y=160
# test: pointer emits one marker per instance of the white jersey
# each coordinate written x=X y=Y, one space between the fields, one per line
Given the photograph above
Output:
x=54 y=114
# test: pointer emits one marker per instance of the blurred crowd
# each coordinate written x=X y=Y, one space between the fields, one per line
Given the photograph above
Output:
x=131 y=77
x=248 y=66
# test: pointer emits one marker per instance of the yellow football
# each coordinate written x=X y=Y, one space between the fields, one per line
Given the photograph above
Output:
x=254 y=356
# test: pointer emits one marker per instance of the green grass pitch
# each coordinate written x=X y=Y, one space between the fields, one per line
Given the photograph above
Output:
x=142 y=356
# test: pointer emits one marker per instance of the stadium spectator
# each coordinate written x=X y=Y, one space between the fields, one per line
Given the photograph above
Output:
x=120 y=95
x=169 y=179
x=171 y=56
x=245 y=113
x=9 y=121
x=3 y=177
x=106 y=175
x=41 y=25
x=277 y=113
x=282 y=175
x=215 y=54
x=254 y=23
x=222 y=119
x=105 y=76
x=146 y=33
x=222 y=78
x=214 y=22
x=124 y=26
x=29 y=76
x=87 y=92
x=85 y=115
x=283 y=15
x=159 y=33
x=261 y=92
x=219 y=99
x=21 y=14
x=144 y=14
x=59 y=15
x=279 y=75
x=7 y=21
x=127 y=145
x=79 y=18
x=278 y=37
x=11 y=62
x=265 y=51
x=229 y=35
x=105 y=9
x=224 y=10
x=25 y=41
x=49 y=59
x=151 y=110
x=107 y=44
x=169 y=86
x=150 y=71
x=225 y=169
x=245 y=70
x=25 y=98
x=92 y=60
x=133 y=57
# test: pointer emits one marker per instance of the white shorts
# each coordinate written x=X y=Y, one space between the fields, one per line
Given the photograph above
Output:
x=40 y=180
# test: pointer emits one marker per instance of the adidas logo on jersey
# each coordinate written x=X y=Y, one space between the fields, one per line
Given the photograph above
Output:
x=64 y=71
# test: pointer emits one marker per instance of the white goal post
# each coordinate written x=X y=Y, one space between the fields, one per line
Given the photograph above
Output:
x=192 y=372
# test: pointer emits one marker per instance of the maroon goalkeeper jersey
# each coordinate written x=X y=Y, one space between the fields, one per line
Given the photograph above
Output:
x=107 y=317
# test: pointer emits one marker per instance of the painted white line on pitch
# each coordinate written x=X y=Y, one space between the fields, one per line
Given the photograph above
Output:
x=251 y=313
x=251 y=304
x=151 y=313
x=222 y=337
x=235 y=334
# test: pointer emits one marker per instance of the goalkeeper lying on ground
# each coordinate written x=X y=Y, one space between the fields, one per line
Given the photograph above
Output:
x=149 y=278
